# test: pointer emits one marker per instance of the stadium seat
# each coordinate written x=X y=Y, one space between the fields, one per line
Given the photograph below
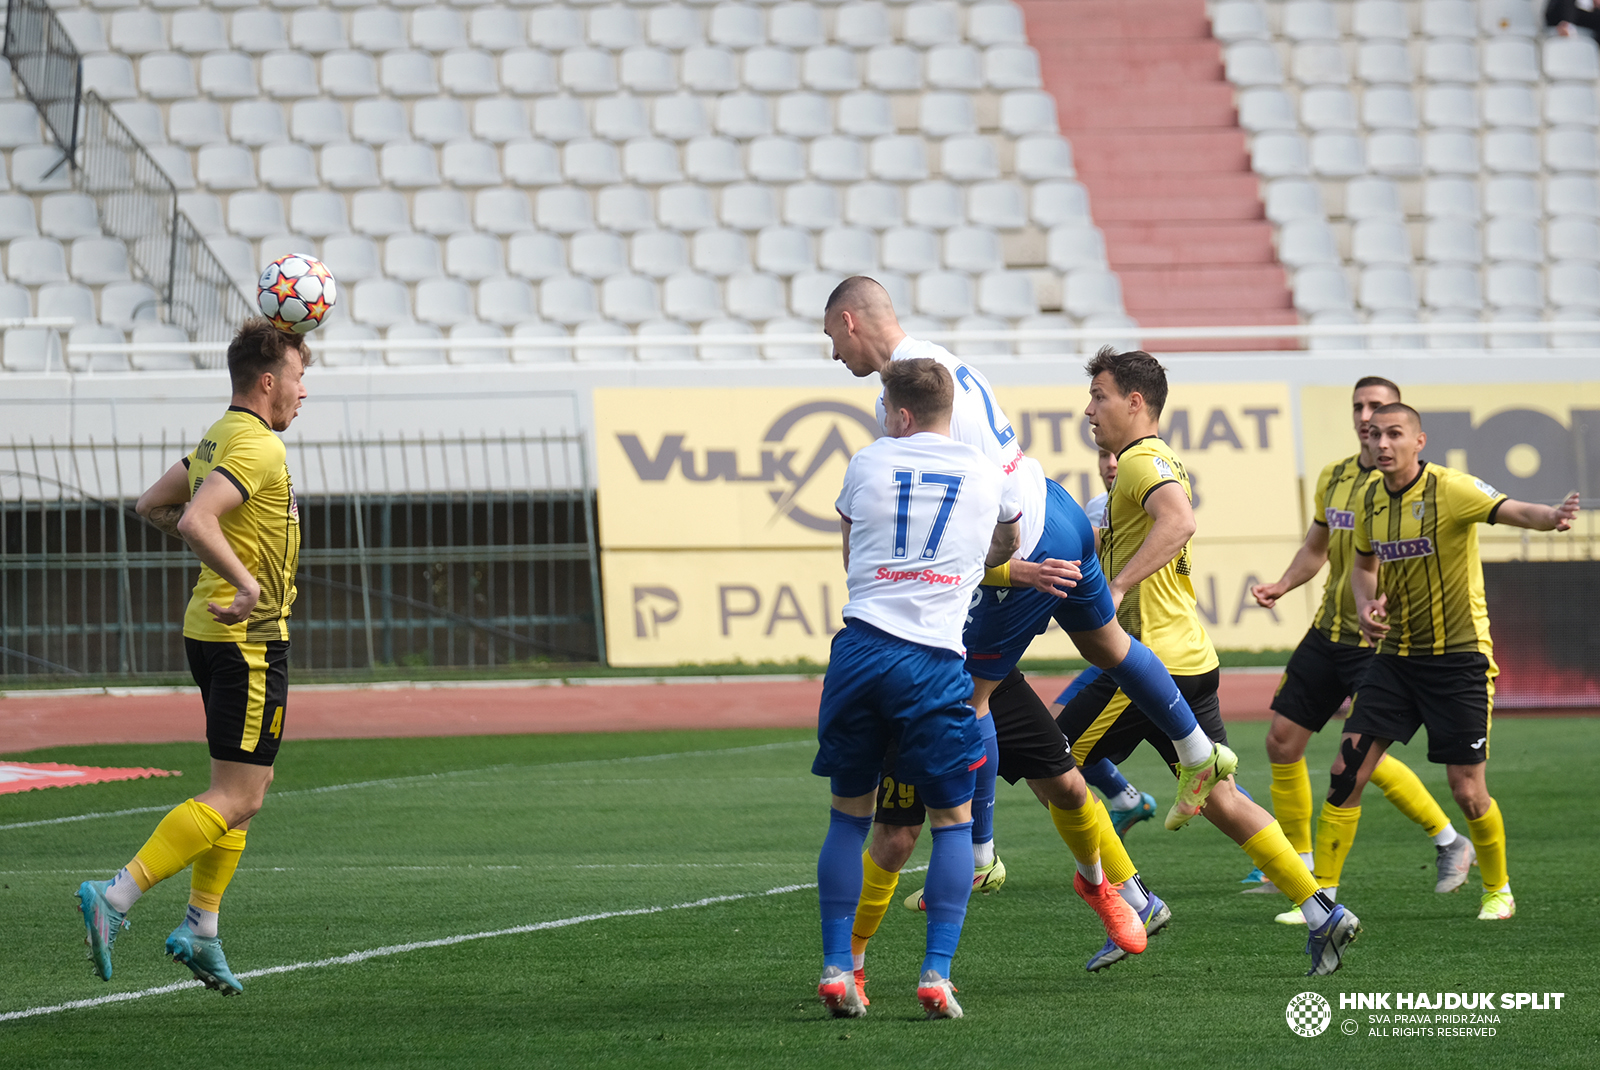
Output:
x=836 y=158
x=969 y=158
x=414 y=332
x=932 y=22
x=874 y=204
x=1337 y=155
x=289 y=75
x=912 y=250
x=743 y=115
x=97 y=261
x=377 y=29
x=408 y=73
x=935 y=204
x=1450 y=61
x=736 y=26
x=1319 y=63
x=88 y=33
x=651 y=161
x=34 y=169
x=1310 y=20
x=67 y=215
x=777 y=159
x=555 y=28
x=899 y=159
x=788 y=351
x=141 y=117
x=349 y=74
x=167 y=76
x=505 y=301
x=1453 y=241
x=1570 y=59
x=532 y=163
x=528 y=72
x=684 y=207
x=568 y=299
x=596 y=254
x=1448 y=18
x=316 y=30
x=1451 y=152
x=349 y=166
x=1027 y=111
x=1383 y=63
x=1508 y=195
x=1288 y=199
x=894 y=68
x=437 y=29
x=1280 y=155
x=351 y=258
x=1057 y=202
x=1380 y=20
x=16 y=217
x=444 y=301
x=658 y=253
x=258 y=30
x=1389 y=108
x=709 y=70
x=158 y=333
x=407 y=165
x=110 y=75
x=1011 y=67
x=1454 y=288
x=770 y=70
x=379 y=212
x=811 y=206
x=615 y=27
x=1507 y=17
x=223 y=167
x=1379 y=241
x=1328 y=108
x=865 y=24
x=122 y=304
x=1451 y=106
x=1043 y=156
x=411 y=257
x=237 y=257
x=1070 y=247
x=996 y=24
x=1000 y=204
x=720 y=252
x=749 y=206
x=944 y=293
x=1570 y=105
x=755 y=297
x=713 y=160
x=1049 y=321
x=1566 y=149
x=468 y=73
x=647 y=70
x=804 y=115
x=1388 y=289
x=1512 y=59
x=808 y=291
x=1513 y=239
x=1571 y=195
x=31 y=349
x=1321 y=289
x=588 y=70
x=474 y=256
x=1575 y=286
x=691 y=297
x=317 y=122
x=1093 y=292
x=1573 y=238
x=1513 y=105
x=1575 y=340
x=59 y=299
x=973 y=249
x=499 y=120
x=795 y=25
x=256 y=122
x=785 y=251
x=1530 y=340
x=621 y=117
x=536 y=255
x=1372 y=198
x=227 y=75
x=1266 y=108
x=440 y=211
x=680 y=117
x=288 y=165
x=1514 y=286
x=957 y=67
x=1305 y=242
x=865 y=114
x=850 y=250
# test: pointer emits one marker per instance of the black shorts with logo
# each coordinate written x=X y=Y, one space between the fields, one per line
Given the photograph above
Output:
x=1102 y=723
x=245 y=688
x=1451 y=694
x=1031 y=748
x=1320 y=675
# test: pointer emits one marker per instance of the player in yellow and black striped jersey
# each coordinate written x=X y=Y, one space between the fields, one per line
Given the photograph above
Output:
x=1144 y=553
x=232 y=500
x=1418 y=588
x=1330 y=661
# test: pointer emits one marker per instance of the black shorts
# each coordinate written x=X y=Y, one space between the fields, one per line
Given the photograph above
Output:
x=245 y=687
x=1320 y=675
x=1031 y=748
x=1102 y=723
x=1452 y=694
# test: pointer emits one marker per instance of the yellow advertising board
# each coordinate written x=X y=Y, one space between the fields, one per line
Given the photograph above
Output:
x=1533 y=441
x=721 y=541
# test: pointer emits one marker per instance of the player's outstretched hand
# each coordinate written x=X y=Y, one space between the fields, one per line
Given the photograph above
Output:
x=244 y=601
x=1052 y=576
x=1566 y=512
x=1375 y=619
x=1267 y=594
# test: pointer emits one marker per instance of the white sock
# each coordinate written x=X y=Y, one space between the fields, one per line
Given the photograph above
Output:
x=982 y=854
x=1506 y=887
x=1306 y=858
x=201 y=922
x=1194 y=748
x=1091 y=872
x=1317 y=907
x=123 y=892
x=859 y=961
x=1332 y=892
x=1128 y=800
x=1446 y=836
x=1132 y=892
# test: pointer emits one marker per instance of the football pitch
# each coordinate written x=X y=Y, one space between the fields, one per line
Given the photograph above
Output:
x=646 y=900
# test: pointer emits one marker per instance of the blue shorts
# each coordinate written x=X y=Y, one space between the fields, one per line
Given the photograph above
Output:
x=1002 y=621
x=880 y=688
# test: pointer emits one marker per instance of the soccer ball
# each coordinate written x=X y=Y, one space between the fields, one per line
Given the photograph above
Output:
x=296 y=292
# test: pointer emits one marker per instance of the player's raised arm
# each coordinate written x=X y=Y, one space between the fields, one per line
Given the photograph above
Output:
x=163 y=502
x=201 y=528
x=1172 y=529
x=1308 y=561
x=1538 y=517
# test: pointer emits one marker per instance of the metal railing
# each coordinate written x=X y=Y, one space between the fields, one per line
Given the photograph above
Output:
x=470 y=552
x=46 y=62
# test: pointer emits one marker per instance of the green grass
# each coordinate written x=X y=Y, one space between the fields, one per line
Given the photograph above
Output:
x=498 y=832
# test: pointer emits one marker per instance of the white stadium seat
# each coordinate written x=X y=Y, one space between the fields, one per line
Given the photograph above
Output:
x=945 y=293
x=684 y=207
x=720 y=252
x=1328 y=108
x=1575 y=285
x=317 y=30
x=1073 y=247
x=1337 y=155
x=1513 y=59
x=437 y=29
x=1266 y=108
x=658 y=253
x=379 y=212
x=1453 y=241
x=996 y=24
x=1514 y=286
x=349 y=74
x=736 y=26
x=831 y=70
x=1387 y=289
x=1450 y=61
x=16 y=217
x=1372 y=198
x=536 y=255
x=1509 y=195
x=563 y=209
x=567 y=299
x=317 y=122
x=560 y=119
x=288 y=165
x=895 y=68
x=110 y=75
x=223 y=167
x=289 y=75
x=1321 y=289
x=1510 y=239
x=630 y=299
x=1448 y=18
x=935 y=204
x=97 y=261
x=757 y=297
x=713 y=160
x=874 y=204
x=1394 y=153
x=1377 y=241
x=969 y=159
x=1057 y=202
x=680 y=117
x=1451 y=152
x=1289 y=199
x=912 y=250
x=624 y=209
x=528 y=71
x=68 y=215
x=1570 y=59
x=468 y=73
x=651 y=161
x=351 y=258
x=973 y=249
x=1572 y=195
x=506 y=301
x=1573 y=238
x=1450 y=105
x=1319 y=63
x=1380 y=20
x=777 y=159
x=749 y=206
x=1001 y=204
x=615 y=27
x=349 y=166
x=1389 y=108
x=863 y=24
x=1239 y=20
x=258 y=30
x=710 y=70
x=771 y=70
x=932 y=22
x=1570 y=105
x=1093 y=292
x=88 y=32
x=946 y=114
x=744 y=115
x=377 y=29
x=957 y=67
x=256 y=122
x=168 y=76
x=1307 y=242
x=1012 y=67
x=785 y=251
x=851 y=250
x=1280 y=155
x=690 y=297
x=1383 y=63
x=1309 y=20
x=804 y=115
x=1569 y=149
x=555 y=28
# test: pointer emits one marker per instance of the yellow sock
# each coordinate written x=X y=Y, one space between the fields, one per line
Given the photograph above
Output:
x=1402 y=787
x=214 y=869
x=1291 y=802
x=186 y=833
x=1276 y=857
x=1080 y=829
x=877 y=891
x=1114 y=860
x=1336 y=831
x=1489 y=837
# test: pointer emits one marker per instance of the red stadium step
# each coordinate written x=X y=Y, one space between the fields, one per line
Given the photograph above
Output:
x=1155 y=136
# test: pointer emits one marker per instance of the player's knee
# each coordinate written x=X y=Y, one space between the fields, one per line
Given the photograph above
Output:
x=1286 y=741
x=892 y=845
x=1066 y=792
x=1345 y=779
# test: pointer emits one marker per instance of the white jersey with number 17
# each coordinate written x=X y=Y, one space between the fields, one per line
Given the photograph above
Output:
x=977 y=419
x=921 y=512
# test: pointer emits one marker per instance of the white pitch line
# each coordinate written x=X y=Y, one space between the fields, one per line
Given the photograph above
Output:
x=398 y=949
x=420 y=778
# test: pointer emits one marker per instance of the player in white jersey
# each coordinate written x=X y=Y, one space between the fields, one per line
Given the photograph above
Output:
x=1054 y=575
x=922 y=516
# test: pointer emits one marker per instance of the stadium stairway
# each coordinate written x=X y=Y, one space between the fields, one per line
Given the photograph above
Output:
x=1141 y=95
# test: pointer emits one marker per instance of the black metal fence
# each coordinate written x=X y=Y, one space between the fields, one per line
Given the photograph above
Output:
x=47 y=64
x=414 y=552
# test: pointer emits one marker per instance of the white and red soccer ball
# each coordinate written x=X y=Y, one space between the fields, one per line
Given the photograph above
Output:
x=296 y=292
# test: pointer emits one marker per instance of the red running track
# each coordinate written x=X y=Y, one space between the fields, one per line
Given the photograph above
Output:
x=44 y=720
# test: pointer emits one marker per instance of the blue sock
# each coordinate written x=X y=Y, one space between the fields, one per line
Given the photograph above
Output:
x=983 y=792
x=1079 y=682
x=839 y=884
x=1105 y=775
x=1146 y=681
x=945 y=894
